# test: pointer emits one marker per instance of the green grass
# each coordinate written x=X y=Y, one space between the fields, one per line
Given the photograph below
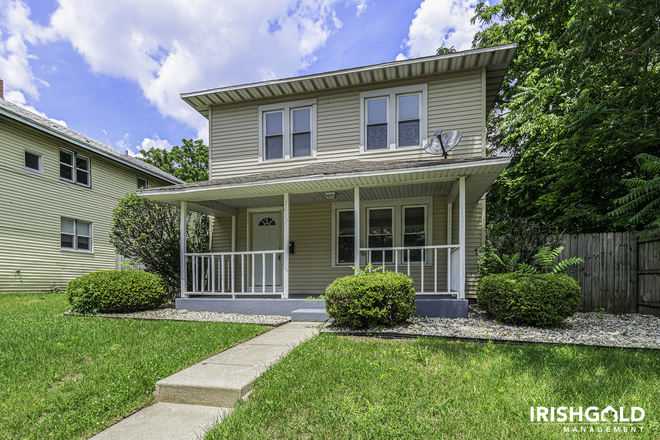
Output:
x=68 y=377
x=346 y=388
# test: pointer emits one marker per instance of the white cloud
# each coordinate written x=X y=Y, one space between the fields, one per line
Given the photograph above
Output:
x=155 y=142
x=172 y=46
x=441 y=23
x=361 y=7
x=16 y=97
x=15 y=57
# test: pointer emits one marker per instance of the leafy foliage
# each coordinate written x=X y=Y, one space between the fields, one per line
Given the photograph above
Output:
x=642 y=203
x=545 y=262
x=117 y=291
x=578 y=103
x=189 y=162
x=541 y=300
x=369 y=299
x=442 y=50
x=149 y=231
x=84 y=300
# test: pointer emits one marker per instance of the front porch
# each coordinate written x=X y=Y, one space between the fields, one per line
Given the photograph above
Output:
x=277 y=239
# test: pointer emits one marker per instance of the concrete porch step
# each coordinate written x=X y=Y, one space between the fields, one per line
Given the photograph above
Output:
x=309 y=315
x=226 y=377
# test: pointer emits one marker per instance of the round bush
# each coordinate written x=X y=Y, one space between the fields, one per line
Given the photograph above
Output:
x=370 y=299
x=118 y=291
x=541 y=300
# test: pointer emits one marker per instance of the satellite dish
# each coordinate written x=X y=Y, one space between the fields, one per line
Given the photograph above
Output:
x=443 y=142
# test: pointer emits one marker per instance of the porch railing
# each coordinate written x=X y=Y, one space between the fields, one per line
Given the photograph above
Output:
x=235 y=273
x=422 y=263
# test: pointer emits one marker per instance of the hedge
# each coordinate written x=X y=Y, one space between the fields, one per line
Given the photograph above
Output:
x=370 y=299
x=541 y=300
x=117 y=291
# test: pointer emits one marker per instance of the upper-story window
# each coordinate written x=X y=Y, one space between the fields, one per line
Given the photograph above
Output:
x=393 y=118
x=74 y=167
x=287 y=131
x=34 y=162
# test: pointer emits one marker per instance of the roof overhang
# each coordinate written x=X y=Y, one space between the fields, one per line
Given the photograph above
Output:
x=495 y=59
x=226 y=196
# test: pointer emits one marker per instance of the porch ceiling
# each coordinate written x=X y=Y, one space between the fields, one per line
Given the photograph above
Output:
x=306 y=185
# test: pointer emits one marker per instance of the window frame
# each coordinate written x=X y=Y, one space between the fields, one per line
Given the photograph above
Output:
x=74 y=168
x=398 y=227
x=392 y=95
x=76 y=235
x=41 y=162
x=287 y=109
x=146 y=183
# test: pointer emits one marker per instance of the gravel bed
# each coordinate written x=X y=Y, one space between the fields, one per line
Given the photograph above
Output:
x=184 y=315
x=598 y=329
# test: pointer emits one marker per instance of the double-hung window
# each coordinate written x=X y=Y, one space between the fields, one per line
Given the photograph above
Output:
x=345 y=237
x=393 y=118
x=74 y=168
x=287 y=131
x=381 y=233
x=76 y=235
x=414 y=231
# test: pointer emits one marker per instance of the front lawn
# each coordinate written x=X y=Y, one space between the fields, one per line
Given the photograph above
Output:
x=337 y=387
x=68 y=377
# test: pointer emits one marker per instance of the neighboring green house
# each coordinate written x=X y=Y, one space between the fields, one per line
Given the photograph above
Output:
x=314 y=174
x=57 y=191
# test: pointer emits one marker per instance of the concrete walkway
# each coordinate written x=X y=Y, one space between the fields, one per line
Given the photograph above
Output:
x=191 y=401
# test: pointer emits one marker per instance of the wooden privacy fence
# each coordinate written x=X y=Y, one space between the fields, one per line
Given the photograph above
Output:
x=620 y=273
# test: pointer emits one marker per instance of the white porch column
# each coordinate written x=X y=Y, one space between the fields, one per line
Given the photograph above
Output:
x=461 y=236
x=450 y=219
x=285 y=275
x=182 y=247
x=356 y=225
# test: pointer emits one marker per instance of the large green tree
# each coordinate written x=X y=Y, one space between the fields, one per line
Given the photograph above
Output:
x=581 y=99
x=189 y=162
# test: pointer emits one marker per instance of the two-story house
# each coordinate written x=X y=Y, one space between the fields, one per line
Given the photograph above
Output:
x=57 y=191
x=314 y=174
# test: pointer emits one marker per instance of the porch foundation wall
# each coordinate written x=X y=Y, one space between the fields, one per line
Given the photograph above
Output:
x=300 y=309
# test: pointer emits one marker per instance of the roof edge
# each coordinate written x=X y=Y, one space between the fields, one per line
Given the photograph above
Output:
x=349 y=70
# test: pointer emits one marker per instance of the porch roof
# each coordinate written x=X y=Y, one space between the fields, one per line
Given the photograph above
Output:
x=222 y=196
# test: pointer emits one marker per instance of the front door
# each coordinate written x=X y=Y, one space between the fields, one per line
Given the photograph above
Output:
x=266 y=236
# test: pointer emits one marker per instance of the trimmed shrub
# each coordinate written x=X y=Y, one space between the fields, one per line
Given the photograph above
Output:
x=541 y=300
x=370 y=299
x=117 y=291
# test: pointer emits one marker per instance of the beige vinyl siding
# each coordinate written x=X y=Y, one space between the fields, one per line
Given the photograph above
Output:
x=310 y=267
x=33 y=205
x=455 y=102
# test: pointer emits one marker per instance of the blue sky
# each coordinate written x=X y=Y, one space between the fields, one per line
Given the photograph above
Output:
x=114 y=70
